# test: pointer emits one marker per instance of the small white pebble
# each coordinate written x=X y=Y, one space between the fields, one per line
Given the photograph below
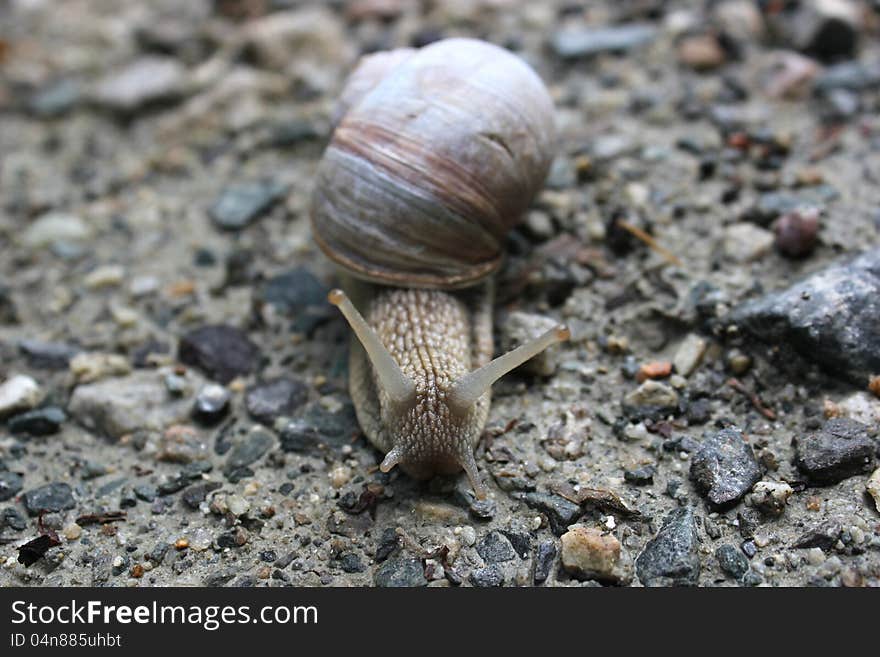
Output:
x=104 y=276
x=72 y=531
x=468 y=535
x=610 y=523
x=815 y=556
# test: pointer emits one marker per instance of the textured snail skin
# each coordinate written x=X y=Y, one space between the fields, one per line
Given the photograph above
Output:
x=435 y=337
x=437 y=156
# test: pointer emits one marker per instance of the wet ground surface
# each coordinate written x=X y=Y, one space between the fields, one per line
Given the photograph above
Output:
x=173 y=397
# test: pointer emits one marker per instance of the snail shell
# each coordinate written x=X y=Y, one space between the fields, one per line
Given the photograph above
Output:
x=437 y=153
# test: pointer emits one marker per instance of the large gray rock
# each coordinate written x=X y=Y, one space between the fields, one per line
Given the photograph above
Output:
x=841 y=449
x=119 y=406
x=672 y=557
x=832 y=317
x=725 y=468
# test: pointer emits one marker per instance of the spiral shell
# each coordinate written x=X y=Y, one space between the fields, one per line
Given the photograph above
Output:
x=437 y=153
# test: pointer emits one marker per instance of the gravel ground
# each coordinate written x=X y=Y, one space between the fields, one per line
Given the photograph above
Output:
x=173 y=404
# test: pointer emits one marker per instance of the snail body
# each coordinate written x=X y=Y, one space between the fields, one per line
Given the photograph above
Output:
x=436 y=154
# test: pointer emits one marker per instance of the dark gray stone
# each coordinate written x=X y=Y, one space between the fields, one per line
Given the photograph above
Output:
x=351 y=563
x=732 y=561
x=56 y=98
x=298 y=295
x=832 y=317
x=38 y=422
x=544 y=558
x=13 y=519
x=252 y=447
x=47 y=355
x=488 y=577
x=400 y=572
x=52 y=497
x=642 y=476
x=315 y=425
x=10 y=485
x=495 y=548
x=269 y=400
x=672 y=557
x=725 y=468
x=195 y=495
x=823 y=536
x=222 y=352
x=242 y=203
x=575 y=42
x=560 y=512
x=841 y=449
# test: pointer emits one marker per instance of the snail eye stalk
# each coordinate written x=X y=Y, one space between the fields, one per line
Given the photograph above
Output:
x=396 y=384
x=465 y=392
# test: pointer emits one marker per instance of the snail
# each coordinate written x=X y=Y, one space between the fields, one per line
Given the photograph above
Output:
x=435 y=155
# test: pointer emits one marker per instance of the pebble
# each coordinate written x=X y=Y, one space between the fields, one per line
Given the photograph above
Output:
x=745 y=242
x=642 y=476
x=13 y=519
x=221 y=351
x=104 y=276
x=468 y=535
x=841 y=449
x=296 y=295
x=18 y=393
x=195 y=495
x=53 y=228
x=269 y=400
x=797 y=232
x=237 y=505
x=39 y=422
x=832 y=317
x=47 y=355
x=339 y=476
x=10 y=485
x=518 y=328
x=494 y=547
x=651 y=396
x=88 y=367
x=50 y=498
x=56 y=98
x=724 y=468
x=257 y=442
x=241 y=204
x=732 y=561
x=488 y=577
x=400 y=571
x=770 y=497
x=689 y=354
x=587 y=553
x=672 y=557
x=544 y=558
x=560 y=512
x=124 y=405
x=72 y=531
x=181 y=443
x=576 y=41
x=212 y=404
x=145 y=81
x=826 y=29
x=872 y=486
x=701 y=52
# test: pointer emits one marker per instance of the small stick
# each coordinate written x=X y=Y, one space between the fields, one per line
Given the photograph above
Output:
x=738 y=385
x=638 y=233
